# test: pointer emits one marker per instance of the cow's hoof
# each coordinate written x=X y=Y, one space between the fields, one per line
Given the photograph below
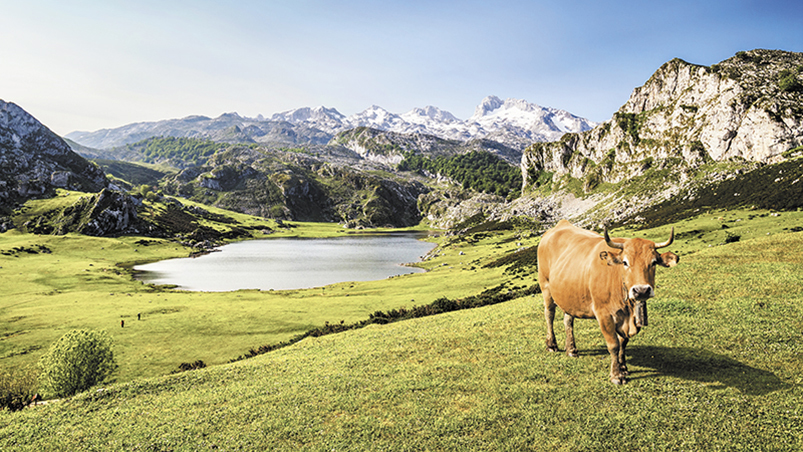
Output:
x=572 y=353
x=552 y=348
x=618 y=380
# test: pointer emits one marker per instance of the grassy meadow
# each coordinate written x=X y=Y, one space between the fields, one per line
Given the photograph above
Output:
x=85 y=282
x=720 y=366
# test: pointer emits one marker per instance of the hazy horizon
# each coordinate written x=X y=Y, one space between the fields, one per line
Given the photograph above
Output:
x=83 y=65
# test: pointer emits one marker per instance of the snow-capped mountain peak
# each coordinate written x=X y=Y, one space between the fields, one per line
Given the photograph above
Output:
x=309 y=114
x=515 y=123
x=517 y=119
x=487 y=105
x=428 y=114
x=375 y=117
x=327 y=119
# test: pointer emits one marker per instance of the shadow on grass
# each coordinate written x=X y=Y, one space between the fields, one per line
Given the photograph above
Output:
x=704 y=366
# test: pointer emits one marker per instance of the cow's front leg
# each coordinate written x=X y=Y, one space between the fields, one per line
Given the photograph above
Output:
x=568 y=323
x=549 y=314
x=622 y=363
x=608 y=328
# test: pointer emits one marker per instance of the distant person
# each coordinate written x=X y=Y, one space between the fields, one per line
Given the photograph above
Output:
x=122 y=323
x=139 y=316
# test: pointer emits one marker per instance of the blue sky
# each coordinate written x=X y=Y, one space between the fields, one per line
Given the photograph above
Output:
x=87 y=65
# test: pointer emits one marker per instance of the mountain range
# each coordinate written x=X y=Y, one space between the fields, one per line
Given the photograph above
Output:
x=692 y=137
x=514 y=123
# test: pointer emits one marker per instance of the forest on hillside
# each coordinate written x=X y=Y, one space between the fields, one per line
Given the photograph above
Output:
x=477 y=170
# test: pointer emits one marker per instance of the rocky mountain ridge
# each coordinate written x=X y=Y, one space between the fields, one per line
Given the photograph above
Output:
x=34 y=161
x=686 y=114
x=688 y=128
x=389 y=148
x=514 y=123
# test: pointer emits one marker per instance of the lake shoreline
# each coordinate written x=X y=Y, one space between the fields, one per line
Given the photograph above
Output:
x=292 y=263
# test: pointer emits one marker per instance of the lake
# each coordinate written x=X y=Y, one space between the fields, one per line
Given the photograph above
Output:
x=291 y=263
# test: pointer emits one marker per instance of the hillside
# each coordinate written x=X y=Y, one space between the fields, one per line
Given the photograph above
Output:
x=362 y=179
x=34 y=161
x=738 y=109
x=687 y=127
x=481 y=380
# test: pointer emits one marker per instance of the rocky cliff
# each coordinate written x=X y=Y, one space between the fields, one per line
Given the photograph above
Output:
x=35 y=161
x=748 y=108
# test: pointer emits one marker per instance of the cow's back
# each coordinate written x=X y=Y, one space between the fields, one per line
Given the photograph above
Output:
x=565 y=243
x=565 y=259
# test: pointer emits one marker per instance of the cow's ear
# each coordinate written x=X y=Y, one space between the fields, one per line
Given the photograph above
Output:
x=669 y=259
x=610 y=258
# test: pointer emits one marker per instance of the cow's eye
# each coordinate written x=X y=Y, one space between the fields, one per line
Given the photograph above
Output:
x=625 y=262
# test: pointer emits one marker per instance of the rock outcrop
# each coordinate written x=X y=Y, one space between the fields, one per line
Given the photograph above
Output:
x=105 y=214
x=35 y=161
x=746 y=108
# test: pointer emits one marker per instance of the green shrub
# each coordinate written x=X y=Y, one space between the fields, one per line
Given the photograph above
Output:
x=789 y=83
x=184 y=367
x=487 y=297
x=17 y=388
x=77 y=361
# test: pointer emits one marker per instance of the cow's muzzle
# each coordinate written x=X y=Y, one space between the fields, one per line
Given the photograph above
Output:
x=641 y=313
x=641 y=292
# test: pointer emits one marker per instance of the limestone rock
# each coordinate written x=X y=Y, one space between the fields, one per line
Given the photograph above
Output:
x=686 y=114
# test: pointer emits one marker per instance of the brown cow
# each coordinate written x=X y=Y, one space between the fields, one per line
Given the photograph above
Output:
x=591 y=276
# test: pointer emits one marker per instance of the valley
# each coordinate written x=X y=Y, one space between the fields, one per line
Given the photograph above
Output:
x=450 y=358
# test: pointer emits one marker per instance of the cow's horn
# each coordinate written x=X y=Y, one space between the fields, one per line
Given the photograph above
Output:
x=668 y=242
x=612 y=244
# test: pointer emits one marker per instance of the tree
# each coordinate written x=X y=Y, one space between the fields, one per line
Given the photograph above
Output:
x=77 y=361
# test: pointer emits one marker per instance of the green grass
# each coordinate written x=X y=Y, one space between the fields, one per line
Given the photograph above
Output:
x=708 y=374
x=720 y=366
x=85 y=283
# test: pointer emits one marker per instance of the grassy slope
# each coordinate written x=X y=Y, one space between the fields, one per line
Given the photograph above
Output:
x=81 y=285
x=719 y=368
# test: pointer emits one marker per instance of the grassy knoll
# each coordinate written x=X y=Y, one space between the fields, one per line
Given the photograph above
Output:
x=720 y=367
x=76 y=281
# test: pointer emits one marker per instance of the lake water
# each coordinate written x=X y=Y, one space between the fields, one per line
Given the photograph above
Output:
x=291 y=263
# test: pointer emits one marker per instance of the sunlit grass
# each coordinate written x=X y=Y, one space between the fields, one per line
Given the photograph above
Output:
x=718 y=368
x=84 y=283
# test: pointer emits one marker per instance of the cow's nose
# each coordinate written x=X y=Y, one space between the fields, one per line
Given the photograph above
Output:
x=641 y=292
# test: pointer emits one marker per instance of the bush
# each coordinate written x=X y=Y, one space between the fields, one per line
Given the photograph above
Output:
x=17 y=388
x=490 y=296
x=184 y=367
x=77 y=361
x=789 y=83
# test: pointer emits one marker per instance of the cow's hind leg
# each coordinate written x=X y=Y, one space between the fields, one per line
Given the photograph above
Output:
x=568 y=323
x=549 y=314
